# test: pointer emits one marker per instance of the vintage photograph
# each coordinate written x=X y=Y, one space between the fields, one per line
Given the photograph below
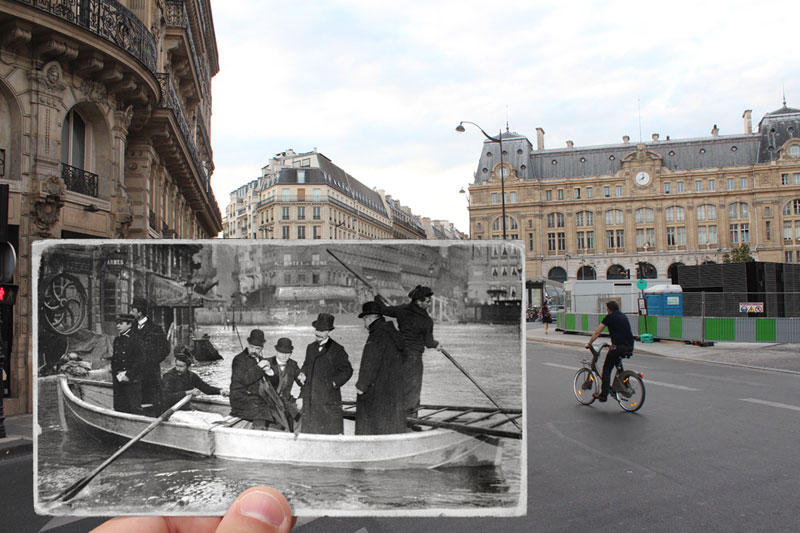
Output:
x=380 y=378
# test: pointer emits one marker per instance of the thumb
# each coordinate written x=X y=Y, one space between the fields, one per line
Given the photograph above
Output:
x=258 y=510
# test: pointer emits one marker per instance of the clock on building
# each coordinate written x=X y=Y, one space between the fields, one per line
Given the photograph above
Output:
x=642 y=179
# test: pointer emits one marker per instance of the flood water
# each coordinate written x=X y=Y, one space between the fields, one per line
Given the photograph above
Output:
x=146 y=478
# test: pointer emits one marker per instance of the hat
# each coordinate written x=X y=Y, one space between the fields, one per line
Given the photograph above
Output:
x=420 y=293
x=256 y=338
x=126 y=317
x=284 y=345
x=140 y=303
x=324 y=322
x=370 y=308
x=184 y=355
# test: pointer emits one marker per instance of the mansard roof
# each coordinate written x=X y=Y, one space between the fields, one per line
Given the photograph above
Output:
x=775 y=129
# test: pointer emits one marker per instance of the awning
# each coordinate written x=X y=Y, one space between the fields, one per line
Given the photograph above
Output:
x=322 y=292
x=166 y=292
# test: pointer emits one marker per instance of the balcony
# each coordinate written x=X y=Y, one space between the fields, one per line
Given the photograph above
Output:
x=79 y=181
x=110 y=21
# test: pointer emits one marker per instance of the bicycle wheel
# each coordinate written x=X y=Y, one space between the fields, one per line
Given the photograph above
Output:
x=584 y=385
x=631 y=397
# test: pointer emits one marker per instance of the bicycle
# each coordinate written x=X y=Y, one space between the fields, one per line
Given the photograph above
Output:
x=627 y=386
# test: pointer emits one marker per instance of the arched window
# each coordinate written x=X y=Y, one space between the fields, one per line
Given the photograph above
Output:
x=646 y=271
x=738 y=210
x=643 y=215
x=792 y=207
x=614 y=217
x=587 y=272
x=791 y=224
x=584 y=218
x=672 y=272
x=616 y=272
x=706 y=212
x=794 y=150
x=555 y=220
x=675 y=214
x=73 y=140
x=557 y=274
x=511 y=223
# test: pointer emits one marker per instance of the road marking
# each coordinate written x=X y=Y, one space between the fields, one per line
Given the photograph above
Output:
x=670 y=385
x=771 y=404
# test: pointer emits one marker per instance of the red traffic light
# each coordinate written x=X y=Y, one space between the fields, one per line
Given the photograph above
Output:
x=8 y=294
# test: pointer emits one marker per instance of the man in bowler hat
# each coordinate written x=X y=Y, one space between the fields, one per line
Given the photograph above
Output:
x=253 y=382
x=156 y=349
x=127 y=367
x=380 y=406
x=288 y=370
x=325 y=370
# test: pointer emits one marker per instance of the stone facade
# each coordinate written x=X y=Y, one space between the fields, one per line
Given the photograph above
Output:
x=596 y=212
x=104 y=131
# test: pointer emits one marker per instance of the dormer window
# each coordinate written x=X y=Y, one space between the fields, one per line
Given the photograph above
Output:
x=794 y=150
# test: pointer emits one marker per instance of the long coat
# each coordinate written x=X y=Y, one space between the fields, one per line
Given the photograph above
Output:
x=380 y=409
x=326 y=371
x=288 y=376
x=415 y=324
x=246 y=401
x=128 y=356
x=174 y=385
x=156 y=349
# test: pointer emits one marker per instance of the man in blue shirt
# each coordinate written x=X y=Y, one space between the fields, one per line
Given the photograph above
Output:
x=621 y=343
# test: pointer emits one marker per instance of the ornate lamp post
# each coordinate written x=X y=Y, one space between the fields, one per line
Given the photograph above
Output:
x=499 y=140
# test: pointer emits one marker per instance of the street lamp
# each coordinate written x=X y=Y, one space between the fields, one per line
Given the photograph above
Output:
x=499 y=140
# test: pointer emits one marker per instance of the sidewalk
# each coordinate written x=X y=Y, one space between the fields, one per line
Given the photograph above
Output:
x=764 y=356
x=19 y=436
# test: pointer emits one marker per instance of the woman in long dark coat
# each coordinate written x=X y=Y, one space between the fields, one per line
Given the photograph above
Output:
x=380 y=405
x=325 y=370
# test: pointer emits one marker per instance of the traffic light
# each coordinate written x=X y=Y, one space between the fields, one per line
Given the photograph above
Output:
x=8 y=293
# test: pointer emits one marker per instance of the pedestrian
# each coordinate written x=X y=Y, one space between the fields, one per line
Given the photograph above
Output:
x=253 y=382
x=127 y=367
x=156 y=349
x=179 y=380
x=325 y=370
x=288 y=370
x=380 y=405
x=416 y=328
x=547 y=317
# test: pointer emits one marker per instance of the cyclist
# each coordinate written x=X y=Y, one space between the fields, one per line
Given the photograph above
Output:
x=621 y=343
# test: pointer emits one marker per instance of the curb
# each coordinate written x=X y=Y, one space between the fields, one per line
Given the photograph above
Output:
x=15 y=446
x=647 y=352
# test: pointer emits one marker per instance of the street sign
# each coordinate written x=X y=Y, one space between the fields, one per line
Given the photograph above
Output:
x=641 y=284
x=751 y=307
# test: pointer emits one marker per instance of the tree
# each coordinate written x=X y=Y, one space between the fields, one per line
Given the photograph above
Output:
x=740 y=254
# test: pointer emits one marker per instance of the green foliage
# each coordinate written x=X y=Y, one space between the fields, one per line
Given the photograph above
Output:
x=740 y=254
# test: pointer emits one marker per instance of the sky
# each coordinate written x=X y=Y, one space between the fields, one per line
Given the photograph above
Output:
x=379 y=86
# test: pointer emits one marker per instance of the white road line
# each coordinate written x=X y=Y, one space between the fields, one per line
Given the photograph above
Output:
x=670 y=385
x=771 y=404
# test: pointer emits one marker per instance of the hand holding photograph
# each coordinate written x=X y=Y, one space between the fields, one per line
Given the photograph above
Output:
x=359 y=379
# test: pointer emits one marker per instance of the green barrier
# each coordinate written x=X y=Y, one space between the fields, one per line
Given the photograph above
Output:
x=649 y=325
x=585 y=322
x=766 y=330
x=676 y=327
x=570 y=322
x=720 y=329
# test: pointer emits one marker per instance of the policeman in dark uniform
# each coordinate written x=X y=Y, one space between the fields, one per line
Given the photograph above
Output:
x=127 y=367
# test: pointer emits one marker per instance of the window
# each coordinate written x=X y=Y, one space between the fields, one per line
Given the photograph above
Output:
x=730 y=184
x=614 y=216
x=530 y=242
x=589 y=192
x=706 y=212
x=784 y=179
x=285 y=232
x=551 y=242
x=560 y=194
x=698 y=186
x=511 y=223
x=712 y=185
x=286 y=195
x=285 y=213
x=316 y=232
x=643 y=215
x=301 y=232
x=767 y=212
x=615 y=239
x=301 y=176
x=674 y=214
x=619 y=191
x=743 y=183
x=316 y=195
x=555 y=220
x=577 y=193
x=512 y=196
x=679 y=186
x=787 y=256
x=301 y=213
x=494 y=197
x=740 y=233
x=606 y=191
x=796 y=178
x=315 y=212
x=794 y=150
x=562 y=241
x=676 y=236
x=584 y=218
x=707 y=235
x=585 y=240
x=548 y=195
x=73 y=141
x=768 y=230
x=667 y=187
x=645 y=236
x=737 y=210
x=580 y=240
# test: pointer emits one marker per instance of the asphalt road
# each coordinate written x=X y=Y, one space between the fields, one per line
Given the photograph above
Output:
x=715 y=448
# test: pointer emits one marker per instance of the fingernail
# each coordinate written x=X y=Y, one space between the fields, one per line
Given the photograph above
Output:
x=264 y=507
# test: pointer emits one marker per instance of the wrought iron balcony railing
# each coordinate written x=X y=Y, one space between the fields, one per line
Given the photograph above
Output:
x=109 y=20
x=177 y=17
x=78 y=180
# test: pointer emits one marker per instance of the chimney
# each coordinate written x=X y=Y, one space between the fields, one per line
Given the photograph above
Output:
x=715 y=131
x=626 y=139
x=539 y=139
x=570 y=144
x=748 y=122
x=655 y=136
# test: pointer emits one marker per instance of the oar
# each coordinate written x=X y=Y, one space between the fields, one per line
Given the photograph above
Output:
x=71 y=491
x=464 y=371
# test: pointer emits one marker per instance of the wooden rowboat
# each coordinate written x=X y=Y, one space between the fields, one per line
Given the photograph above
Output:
x=204 y=431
